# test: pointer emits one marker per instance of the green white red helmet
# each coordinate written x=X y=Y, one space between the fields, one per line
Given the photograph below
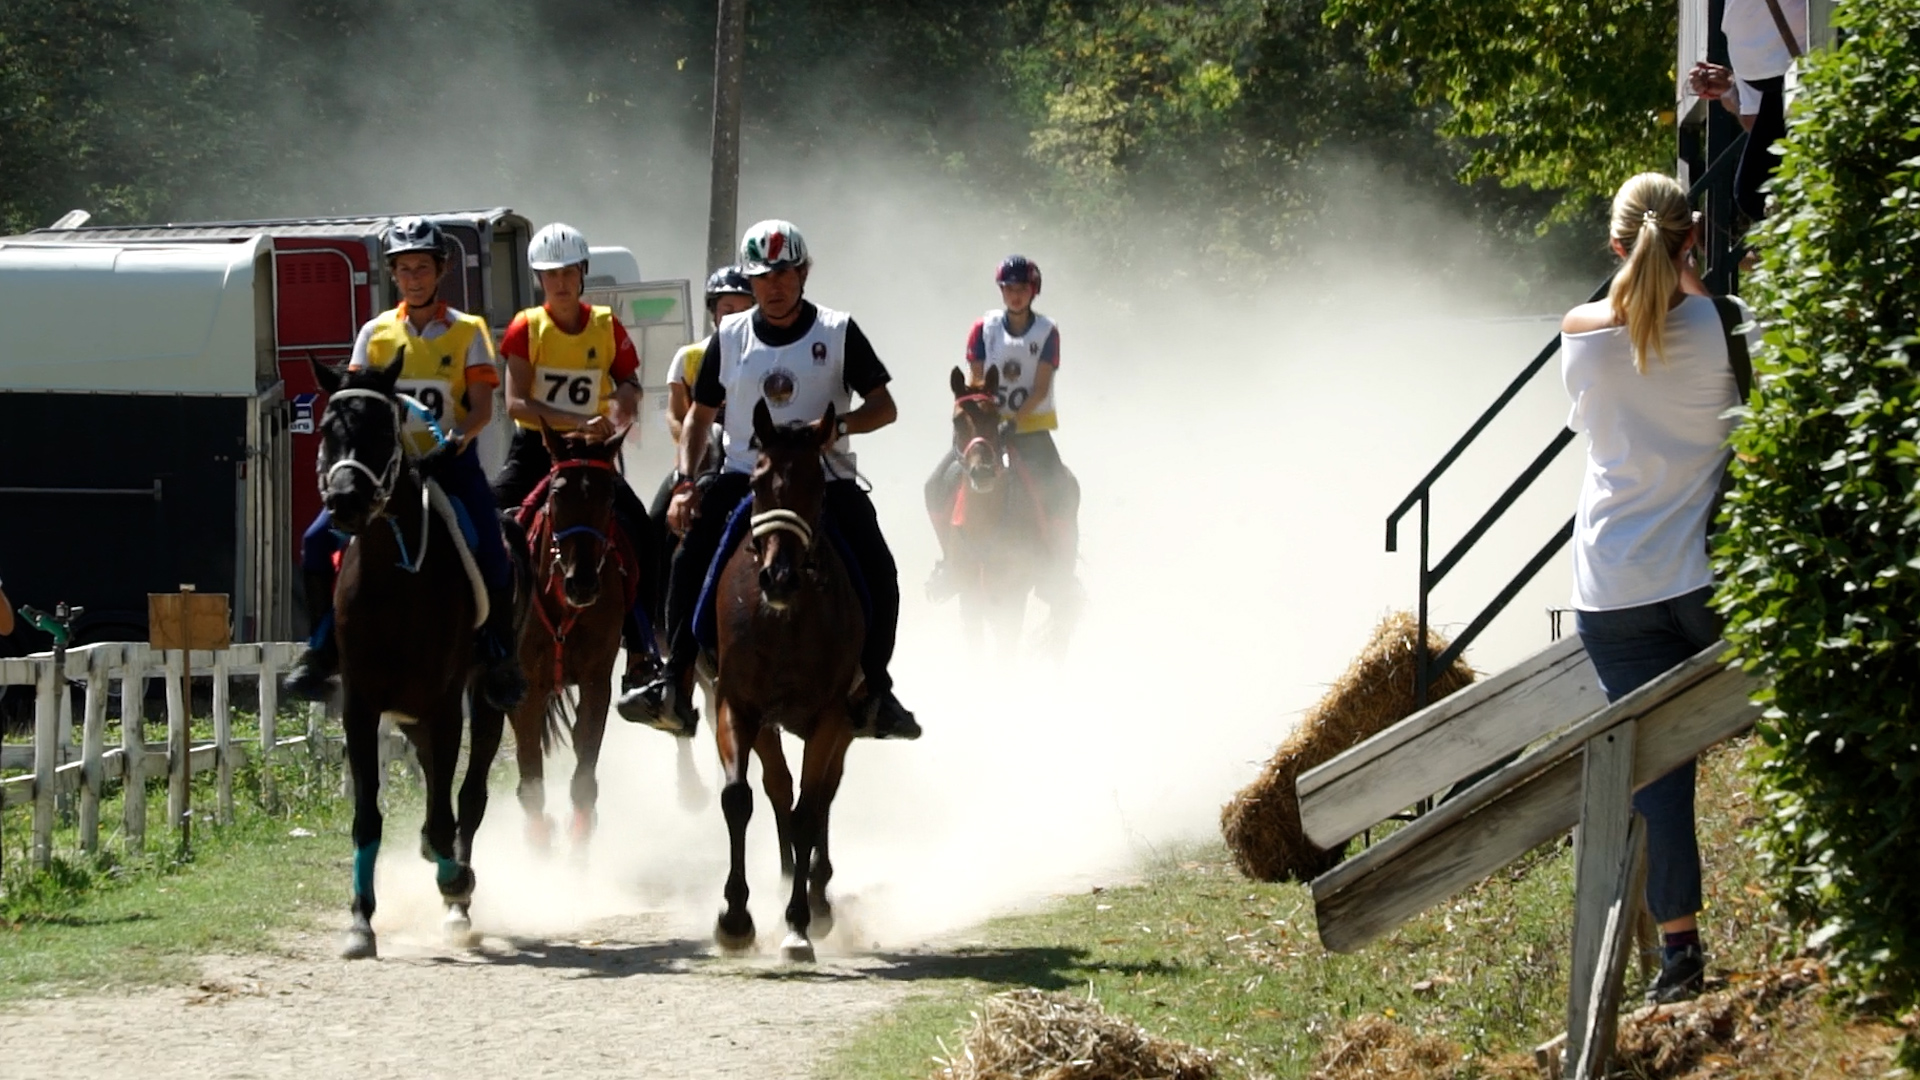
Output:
x=556 y=246
x=771 y=244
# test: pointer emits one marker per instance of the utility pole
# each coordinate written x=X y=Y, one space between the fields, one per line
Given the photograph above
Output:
x=729 y=66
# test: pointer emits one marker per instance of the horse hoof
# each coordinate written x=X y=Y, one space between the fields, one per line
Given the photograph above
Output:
x=734 y=940
x=796 y=949
x=540 y=833
x=359 y=946
x=457 y=927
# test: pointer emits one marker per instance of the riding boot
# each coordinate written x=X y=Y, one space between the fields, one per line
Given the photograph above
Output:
x=311 y=674
x=665 y=703
x=881 y=716
x=502 y=683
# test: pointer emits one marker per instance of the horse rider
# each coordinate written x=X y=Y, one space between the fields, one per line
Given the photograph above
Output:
x=571 y=366
x=728 y=293
x=447 y=367
x=798 y=358
x=1025 y=346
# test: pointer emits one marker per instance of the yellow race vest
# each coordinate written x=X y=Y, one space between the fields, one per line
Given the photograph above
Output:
x=433 y=370
x=571 y=372
x=690 y=367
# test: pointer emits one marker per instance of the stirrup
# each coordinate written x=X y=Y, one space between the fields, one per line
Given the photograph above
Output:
x=881 y=716
x=660 y=704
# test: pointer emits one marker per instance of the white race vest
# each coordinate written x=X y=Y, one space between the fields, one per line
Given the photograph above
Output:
x=797 y=382
x=1018 y=359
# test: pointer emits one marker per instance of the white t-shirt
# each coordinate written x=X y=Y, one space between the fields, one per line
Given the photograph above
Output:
x=1755 y=49
x=1656 y=445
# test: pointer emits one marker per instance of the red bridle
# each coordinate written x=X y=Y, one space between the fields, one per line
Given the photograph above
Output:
x=978 y=440
x=555 y=587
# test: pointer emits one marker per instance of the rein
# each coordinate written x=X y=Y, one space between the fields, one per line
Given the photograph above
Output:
x=385 y=480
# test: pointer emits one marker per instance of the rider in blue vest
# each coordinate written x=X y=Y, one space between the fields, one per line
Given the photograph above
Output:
x=448 y=369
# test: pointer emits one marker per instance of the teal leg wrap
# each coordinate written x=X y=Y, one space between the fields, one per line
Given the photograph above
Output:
x=363 y=859
x=448 y=872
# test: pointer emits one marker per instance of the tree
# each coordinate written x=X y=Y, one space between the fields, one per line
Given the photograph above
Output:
x=1571 y=96
x=1821 y=555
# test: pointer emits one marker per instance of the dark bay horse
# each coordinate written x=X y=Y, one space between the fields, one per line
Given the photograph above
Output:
x=405 y=610
x=997 y=539
x=790 y=630
x=580 y=590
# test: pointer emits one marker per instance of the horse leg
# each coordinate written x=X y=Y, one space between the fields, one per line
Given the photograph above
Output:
x=821 y=871
x=733 y=930
x=529 y=722
x=589 y=730
x=777 y=781
x=819 y=778
x=437 y=740
x=362 y=725
x=692 y=792
x=488 y=722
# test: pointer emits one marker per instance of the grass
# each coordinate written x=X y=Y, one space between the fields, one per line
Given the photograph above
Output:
x=1198 y=953
x=116 y=919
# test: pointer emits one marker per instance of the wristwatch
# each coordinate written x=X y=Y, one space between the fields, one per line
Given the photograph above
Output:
x=840 y=427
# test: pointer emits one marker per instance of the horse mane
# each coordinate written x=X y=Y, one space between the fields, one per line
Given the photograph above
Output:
x=584 y=444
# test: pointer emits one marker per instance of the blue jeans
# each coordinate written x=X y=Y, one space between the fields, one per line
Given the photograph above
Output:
x=1631 y=647
x=464 y=482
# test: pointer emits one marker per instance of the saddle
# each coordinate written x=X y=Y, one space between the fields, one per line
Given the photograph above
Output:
x=531 y=515
x=706 y=627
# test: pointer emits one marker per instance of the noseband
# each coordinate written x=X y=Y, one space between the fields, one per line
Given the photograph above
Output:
x=768 y=522
x=993 y=451
x=606 y=542
x=384 y=480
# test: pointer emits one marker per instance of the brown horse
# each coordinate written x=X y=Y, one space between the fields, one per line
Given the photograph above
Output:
x=997 y=539
x=580 y=599
x=405 y=612
x=790 y=630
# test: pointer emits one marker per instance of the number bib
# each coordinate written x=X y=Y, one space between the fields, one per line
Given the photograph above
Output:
x=568 y=389
x=435 y=394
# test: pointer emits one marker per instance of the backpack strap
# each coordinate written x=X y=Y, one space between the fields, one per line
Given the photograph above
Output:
x=1786 y=30
x=1731 y=318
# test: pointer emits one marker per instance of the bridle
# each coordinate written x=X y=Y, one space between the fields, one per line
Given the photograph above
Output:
x=768 y=522
x=598 y=534
x=384 y=480
x=993 y=452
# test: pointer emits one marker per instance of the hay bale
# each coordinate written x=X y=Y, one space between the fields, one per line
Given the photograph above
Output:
x=1262 y=823
x=1030 y=1035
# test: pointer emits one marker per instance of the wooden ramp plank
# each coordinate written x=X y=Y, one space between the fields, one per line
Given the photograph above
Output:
x=1531 y=800
x=1452 y=738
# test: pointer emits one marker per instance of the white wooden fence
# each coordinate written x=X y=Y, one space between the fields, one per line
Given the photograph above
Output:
x=63 y=767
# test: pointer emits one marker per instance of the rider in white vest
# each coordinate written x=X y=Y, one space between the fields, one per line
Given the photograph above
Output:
x=798 y=358
x=1024 y=347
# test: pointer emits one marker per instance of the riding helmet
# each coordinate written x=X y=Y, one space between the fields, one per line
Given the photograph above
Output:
x=415 y=234
x=556 y=246
x=1018 y=270
x=771 y=244
x=727 y=281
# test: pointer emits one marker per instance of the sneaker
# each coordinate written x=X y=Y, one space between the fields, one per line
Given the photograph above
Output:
x=311 y=676
x=881 y=716
x=941 y=584
x=1683 y=973
x=661 y=703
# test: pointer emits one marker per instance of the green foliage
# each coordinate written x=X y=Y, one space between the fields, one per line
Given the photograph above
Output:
x=1568 y=97
x=1821 y=559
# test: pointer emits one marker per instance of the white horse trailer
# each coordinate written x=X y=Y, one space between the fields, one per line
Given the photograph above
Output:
x=143 y=430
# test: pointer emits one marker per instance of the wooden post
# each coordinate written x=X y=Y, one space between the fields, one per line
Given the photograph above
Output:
x=46 y=733
x=1600 y=1026
x=269 y=734
x=180 y=623
x=133 y=747
x=729 y=66
x=93 y=740
x=1600 y=853
x=222 y=737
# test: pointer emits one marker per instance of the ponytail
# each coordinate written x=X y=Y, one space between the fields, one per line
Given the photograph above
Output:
x=1651 y=220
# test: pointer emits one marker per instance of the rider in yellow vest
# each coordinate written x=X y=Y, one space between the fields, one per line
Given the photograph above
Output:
x=447 y=369
x=572 y=365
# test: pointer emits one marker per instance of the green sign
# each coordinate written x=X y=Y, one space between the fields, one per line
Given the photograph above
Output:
x=653 y=309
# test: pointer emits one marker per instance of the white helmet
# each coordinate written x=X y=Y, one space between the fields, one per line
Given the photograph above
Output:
x=555 y=246
x=771 y=244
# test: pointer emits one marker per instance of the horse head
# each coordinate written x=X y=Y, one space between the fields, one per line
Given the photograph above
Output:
x=789 y=490
x=977 y=438
x=361 y=456
x=579 y=508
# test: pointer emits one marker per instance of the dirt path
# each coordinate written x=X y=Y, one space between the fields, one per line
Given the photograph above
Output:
x=626 y=997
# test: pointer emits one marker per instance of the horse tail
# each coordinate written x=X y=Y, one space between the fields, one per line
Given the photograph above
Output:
x=562 y=709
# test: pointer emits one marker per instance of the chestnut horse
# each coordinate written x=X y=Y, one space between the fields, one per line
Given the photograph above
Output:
x=405 y=611
x=573 y=639
x=790 y=629
x=997 y=538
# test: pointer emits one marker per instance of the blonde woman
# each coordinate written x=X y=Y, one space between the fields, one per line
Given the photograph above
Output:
x=1650 y=373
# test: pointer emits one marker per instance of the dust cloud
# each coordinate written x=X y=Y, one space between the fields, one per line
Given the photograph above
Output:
x=1238 y=457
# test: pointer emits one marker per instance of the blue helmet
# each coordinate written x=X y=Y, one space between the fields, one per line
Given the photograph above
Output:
x=1018 y=270
x=727 y=281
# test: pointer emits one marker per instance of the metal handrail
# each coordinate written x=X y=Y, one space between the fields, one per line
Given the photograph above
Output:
x=1428 y=667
